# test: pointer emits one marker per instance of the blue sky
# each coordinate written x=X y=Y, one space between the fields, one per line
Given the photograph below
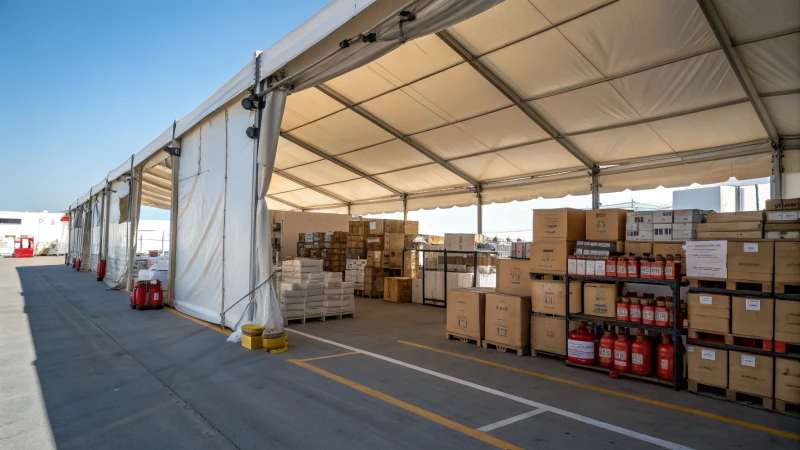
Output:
x=84 y=84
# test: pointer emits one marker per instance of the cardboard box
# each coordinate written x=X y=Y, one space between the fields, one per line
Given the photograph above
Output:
x=751 y=374
x=638 y=248
x=786 y=203
x=513 y=276
x=508 y=320
x=709 y=312
x=741 y=216
x=411 y=227
x=605 y=224
x=730 y=226
x=787 y=262
x=549 y=297
x=551 y=257
x=549 y=334
x=782 y=227
x=751 y=261
x=465 y=312
x=559 y=225
x=707 y=365
x=707 y=259
x=783 y=216
x=375 y=259
x=434 y=283
x=787 y=380
x=684 y=236
x=416 y=290
x=381 y=226
x=375 y=243
x=600 y=299
x=600 y=249
x=688 y=215
x=397 y=289
x=752 y=317
x=662 y=231
x=730 y=235
x=787 y=321
x=783 y=235
x=662 y=217
x=465 y=242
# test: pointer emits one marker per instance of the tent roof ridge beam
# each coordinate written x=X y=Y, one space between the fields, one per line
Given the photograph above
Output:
x=515 y=98
x=739 y=69
x=340 y=163
x=387 y=128
x=308 y=185
x=285 y=202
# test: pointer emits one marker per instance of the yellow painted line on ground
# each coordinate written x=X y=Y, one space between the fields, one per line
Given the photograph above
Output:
x=637 y=398
x=198 y=321
x=328 y=356
x=408 y=407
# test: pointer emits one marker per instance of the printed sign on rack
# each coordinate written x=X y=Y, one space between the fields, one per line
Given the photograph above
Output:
x=707 y=259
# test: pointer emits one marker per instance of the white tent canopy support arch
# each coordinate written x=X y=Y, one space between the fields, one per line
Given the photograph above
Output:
x=472 y=102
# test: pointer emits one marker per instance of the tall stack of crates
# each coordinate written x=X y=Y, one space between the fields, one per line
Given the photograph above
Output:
x=301 y=291
x=357 y=239
x=354 y=273
x=334 y=255
x=310 y=245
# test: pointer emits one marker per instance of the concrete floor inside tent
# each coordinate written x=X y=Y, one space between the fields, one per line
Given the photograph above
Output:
x=79 y=369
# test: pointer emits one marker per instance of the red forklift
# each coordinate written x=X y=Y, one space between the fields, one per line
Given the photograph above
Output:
x=23 y=247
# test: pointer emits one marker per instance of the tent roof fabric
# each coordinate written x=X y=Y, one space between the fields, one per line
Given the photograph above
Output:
x=521 y=100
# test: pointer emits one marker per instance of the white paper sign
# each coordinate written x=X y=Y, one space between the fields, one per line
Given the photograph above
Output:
x=750 y=247
x=791 y=215
x=706 y=300
x=752 y=304
x=707 y=259
x=748 y=360
x=710 y=355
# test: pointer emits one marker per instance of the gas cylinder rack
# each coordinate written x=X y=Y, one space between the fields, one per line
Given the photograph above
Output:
x=674 y=330
x=475 y=259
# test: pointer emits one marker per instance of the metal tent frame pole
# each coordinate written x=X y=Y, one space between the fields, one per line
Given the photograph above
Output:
x=595 y=188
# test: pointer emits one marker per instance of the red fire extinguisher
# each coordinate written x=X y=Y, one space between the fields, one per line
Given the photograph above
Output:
x=640 y=354
x=101 y=270
x=139 y=295
x=580 y=346
x=623 y=309
x=622 y=352
x=606 y=354
x=665 y=370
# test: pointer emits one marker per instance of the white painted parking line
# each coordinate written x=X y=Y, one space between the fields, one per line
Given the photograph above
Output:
x=510 y=420
x=587 y=420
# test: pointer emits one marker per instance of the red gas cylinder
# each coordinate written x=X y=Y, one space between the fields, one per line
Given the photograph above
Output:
x=635 y=311
x=648 y=312
x=622 y=352
x=662 y=313
x=139 y=295
x=623 y=309
x=665 y=370
x=606 y=354
x=74 y=260
x=580 y=346
x=78 y=264
x=155 y=295
x=622 y=267
x=671 y=308
x=101 y=270
x=640 y=354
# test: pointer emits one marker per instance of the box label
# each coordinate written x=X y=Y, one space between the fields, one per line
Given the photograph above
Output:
x=752 y=304
x=706 y=300
x=373 y=240
x=791 y=215
x=750 y=247
x=748 y=360
x=710 y=355
x=373 y=225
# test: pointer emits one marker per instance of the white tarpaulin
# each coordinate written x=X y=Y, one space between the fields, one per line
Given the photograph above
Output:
x=97 y=220
x=118 y=237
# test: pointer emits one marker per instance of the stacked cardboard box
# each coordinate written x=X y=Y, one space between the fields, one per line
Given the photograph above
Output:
x=507 y=321
x=309 y=245
x=435 y=283
x=709 y=312
x=787 y=265
x=381 y=226
x=357 y=234
x=334 y=255
x=707 y=366
x=339 y=298
x=733 y=225
x=373 y=281
x=410 y=264
x=301 y=291
x=354 y=273
x=393 y=244
x=555 y=233
x=751 y=261
x=462 y=242
x=465 y=312
x=397 y=289
x=783 y=219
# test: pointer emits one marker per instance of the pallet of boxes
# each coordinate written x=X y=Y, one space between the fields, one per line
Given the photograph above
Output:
x=339 y=300
x=411 y=262
x=556 y=233
x=741 y=330
x=466 y=305
x=301 y=292
x=309 y=245
x=384 y=245
x=356 y=254
x=334 y=251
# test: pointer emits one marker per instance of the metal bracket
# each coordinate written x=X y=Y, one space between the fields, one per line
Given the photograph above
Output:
x=173 y=151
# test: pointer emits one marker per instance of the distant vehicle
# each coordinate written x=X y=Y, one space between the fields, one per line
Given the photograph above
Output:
x=6 y=247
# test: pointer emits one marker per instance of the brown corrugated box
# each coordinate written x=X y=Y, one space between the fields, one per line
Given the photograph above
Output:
x=742 y=216
x=787 y=380
x=707 y=365
x=787 y=321
x=606 y=224
x=549 y=334
x=508 y=320
x=751 y=260
x=720 y=235
x=559 y=225
x=752 y=317
x=551 y=257
x=600 y=299
x=465 y=312
x=638 y=248
x=751 y=374
x=787 y=262
x=709 y=312
x=397 y=289
x=730 y=226
x=549 y=297
x=786 y=203
x=411 y=227
x=513 y=276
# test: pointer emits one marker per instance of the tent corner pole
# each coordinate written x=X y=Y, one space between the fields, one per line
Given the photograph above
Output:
x=173 y=227
x=480 y=212
x=595 y=174
x=776 y=180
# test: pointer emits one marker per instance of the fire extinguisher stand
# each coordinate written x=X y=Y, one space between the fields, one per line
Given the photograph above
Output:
x=674 y=330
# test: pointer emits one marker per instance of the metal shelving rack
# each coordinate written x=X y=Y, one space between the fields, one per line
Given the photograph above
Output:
x=674 y=330
x=475 y=254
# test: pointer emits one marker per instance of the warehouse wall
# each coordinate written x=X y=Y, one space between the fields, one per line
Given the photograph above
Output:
x=305 y=222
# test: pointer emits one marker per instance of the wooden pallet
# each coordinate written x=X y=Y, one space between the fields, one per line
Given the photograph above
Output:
x=351 y=315
x=730 y=395
x=787 y=407
x=786 y=347
x=521 y=351
x=463 y=338
x=546 y=276
x=787 y=288
x=698 y=336
x=548 y=354
x=286 y=322
x=730 y=284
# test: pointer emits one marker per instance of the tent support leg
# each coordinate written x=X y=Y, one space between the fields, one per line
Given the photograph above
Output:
x=595 y=188
x=480 y=213
x=405 y=210
x=173 y=227
x=776 y=181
